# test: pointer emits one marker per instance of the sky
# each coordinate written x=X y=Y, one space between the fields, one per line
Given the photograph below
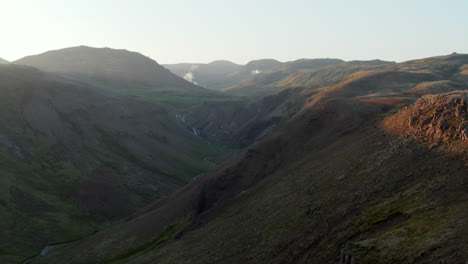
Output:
x=174 y=31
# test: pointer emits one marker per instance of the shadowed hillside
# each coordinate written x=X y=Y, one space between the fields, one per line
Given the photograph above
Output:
x=73 y=159
x=104 y=63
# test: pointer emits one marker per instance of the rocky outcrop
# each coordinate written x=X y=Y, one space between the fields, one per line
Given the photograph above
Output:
x=435 y=119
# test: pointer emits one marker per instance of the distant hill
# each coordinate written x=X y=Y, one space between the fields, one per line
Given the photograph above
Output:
x=305 y=64
x=3 y=61
x=263 y=64
x=280 y=78
x=120 y=69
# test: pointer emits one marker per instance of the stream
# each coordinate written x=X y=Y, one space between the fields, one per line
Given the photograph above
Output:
x=46 y=250
x=195 y=131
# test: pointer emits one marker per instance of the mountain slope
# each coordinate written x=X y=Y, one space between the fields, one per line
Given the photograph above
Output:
x=73 y=159
x=2 y=61
x=328 y=186
x=344 y=180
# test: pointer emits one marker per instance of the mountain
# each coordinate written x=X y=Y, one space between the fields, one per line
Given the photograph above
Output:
x=118 y=71
x=365 y=169
x=2 y=61
x=74 y=159
x=263 y=64
x=104 y=63
x=304 y=64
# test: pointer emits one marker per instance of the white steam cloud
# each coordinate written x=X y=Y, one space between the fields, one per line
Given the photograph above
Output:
x=189 y=77
x=256 y=72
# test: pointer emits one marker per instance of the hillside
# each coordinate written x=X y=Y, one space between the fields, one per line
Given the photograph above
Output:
x=302 y=73
x=239 y=123
x=2 y=61
x=118 y=71
x=353 y=174
x=73 y=160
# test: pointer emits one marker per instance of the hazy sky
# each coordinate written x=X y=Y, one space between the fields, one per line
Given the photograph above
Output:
x=172 y=31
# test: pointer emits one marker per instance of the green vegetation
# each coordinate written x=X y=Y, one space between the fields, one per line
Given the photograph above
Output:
x=394 y=110
x=169 y=233
x=67 y=172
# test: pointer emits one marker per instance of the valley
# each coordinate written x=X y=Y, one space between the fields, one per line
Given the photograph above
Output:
x=309 y=161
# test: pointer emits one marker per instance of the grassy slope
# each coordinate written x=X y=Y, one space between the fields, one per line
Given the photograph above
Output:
x=53 y=185
x=33 y=209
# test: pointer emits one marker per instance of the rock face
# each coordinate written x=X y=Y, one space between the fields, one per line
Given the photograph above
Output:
x=238 y=124
x=435 y=119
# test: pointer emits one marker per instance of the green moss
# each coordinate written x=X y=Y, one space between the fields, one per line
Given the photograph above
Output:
x=394 y=110
x=167 y=234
